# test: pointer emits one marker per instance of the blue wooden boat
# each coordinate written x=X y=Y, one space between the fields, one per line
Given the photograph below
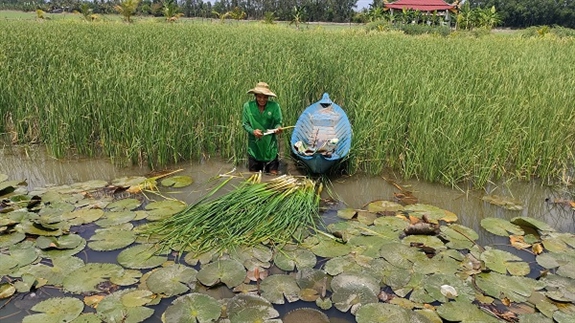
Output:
x=321 y=136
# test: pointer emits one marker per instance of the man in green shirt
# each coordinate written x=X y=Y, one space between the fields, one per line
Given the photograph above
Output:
x=262 y=119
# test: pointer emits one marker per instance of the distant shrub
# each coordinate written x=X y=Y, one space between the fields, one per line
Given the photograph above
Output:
x=417 y=29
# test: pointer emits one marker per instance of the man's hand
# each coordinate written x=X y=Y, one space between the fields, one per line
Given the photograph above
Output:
x=278 y=131
x=258 y=133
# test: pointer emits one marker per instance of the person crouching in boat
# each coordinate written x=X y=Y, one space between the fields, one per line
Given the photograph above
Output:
x=262 y=119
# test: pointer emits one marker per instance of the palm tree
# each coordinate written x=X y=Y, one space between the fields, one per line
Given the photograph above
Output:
x=127 y=8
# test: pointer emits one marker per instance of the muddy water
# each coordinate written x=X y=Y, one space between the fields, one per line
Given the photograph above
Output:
x=39 y=169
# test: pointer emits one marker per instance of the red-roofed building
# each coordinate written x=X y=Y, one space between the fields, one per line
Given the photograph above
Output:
x=421 y=5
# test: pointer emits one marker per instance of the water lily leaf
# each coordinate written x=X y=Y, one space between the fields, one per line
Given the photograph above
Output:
x=366 y=217
x=128 y=181
x=329 y=248
x=10 y=239
x=3 y=177
x=113 y=238
x=316 y=279
x=204 y=258
x=39 y=229
x=87 y=318
x=143 y=256
x=542 y=303
x=163 y=209
x=68 y=241
x=502 y=262
x=346 y=229
x=433 y=214
x=381 y=313
x=138 y=297
x=394 y=277
x=505 y=202
x=111 y=309
x=459 y=236
x=57 y=309
x=6 y=290
x=424 y=242
x=338 y=265
x=258 y=256
x=55 y=274
x=308 y=295
x=384 y=207
x=534 y=318
x=353 y=290
x=172 y=280
x=324 y=303
x=89 y=185
x=177 y=181
x=195 y=307
x=528 y=222
x=87 y=278
x=501 y=227
x=288 y=260
x=55 y=253
x=83 y=216
x=55 y=209
x=370 y=244
x=462 y=311
x=275 y=287
x=228 y=271
x=559 y=242
x=564 y=261
x=559 y=288
x=515 y=288
x=113 y=218
x=7 y=187
x=250 y=308
x=23 y=253
x=305 y=315
x=434 y=286
x=400 y=255
x=129 y=204
x=564 y=317
x=347 y=213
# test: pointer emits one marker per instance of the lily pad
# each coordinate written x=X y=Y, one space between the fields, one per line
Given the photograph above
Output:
x=172 y=280
x=57 y=309
x=195 y=307
x=315 y=279
x=515 y=288
x=129 y=204
x=384 y=207
x=465 y=312
x=275 y=287
x=245 y=308
x=382 y=313
x=68 y=241
x=329 y=248
x=559 y=288
x=6 y=290
x=128 y=181
x=459 y=236
x=111 y=309
x=353 y=290
x=142 y=256
x=433 y=214
x=347 y=213
x=502 y=262
x=562 y=261
x=163 y=209
x=112 y=238
x=288 y=260
x=501 y=227
x=177 y=181
x=305 y=315
x=55 y=274
x=83 y=216
x=228 y=271
x=87 y=278
x=528 y=222
x=7 y=240
x=113 y=218
x=138 y=297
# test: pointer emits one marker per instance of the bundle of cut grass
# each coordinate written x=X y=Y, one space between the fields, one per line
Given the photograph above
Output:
x=252 y=213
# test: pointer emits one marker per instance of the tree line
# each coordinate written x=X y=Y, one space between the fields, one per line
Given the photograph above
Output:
x=512 y=13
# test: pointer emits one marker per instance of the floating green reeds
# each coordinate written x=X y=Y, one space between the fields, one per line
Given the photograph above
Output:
x=252 y=213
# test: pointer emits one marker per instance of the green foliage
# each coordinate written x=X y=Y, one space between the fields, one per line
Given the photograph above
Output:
x=413 y=29
x=127 y=9
x=269 y=18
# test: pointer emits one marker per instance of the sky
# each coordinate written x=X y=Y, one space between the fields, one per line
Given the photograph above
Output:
x=363 y=4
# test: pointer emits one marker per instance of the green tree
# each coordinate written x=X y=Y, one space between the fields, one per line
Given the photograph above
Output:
x=127 y=9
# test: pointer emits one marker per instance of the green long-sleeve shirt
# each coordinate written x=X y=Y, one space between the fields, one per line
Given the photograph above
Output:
x=265 y=148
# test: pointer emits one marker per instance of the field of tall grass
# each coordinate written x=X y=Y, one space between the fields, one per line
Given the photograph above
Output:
x=441 y=109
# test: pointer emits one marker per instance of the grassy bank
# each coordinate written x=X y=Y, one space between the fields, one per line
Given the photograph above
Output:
x=442 y=109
